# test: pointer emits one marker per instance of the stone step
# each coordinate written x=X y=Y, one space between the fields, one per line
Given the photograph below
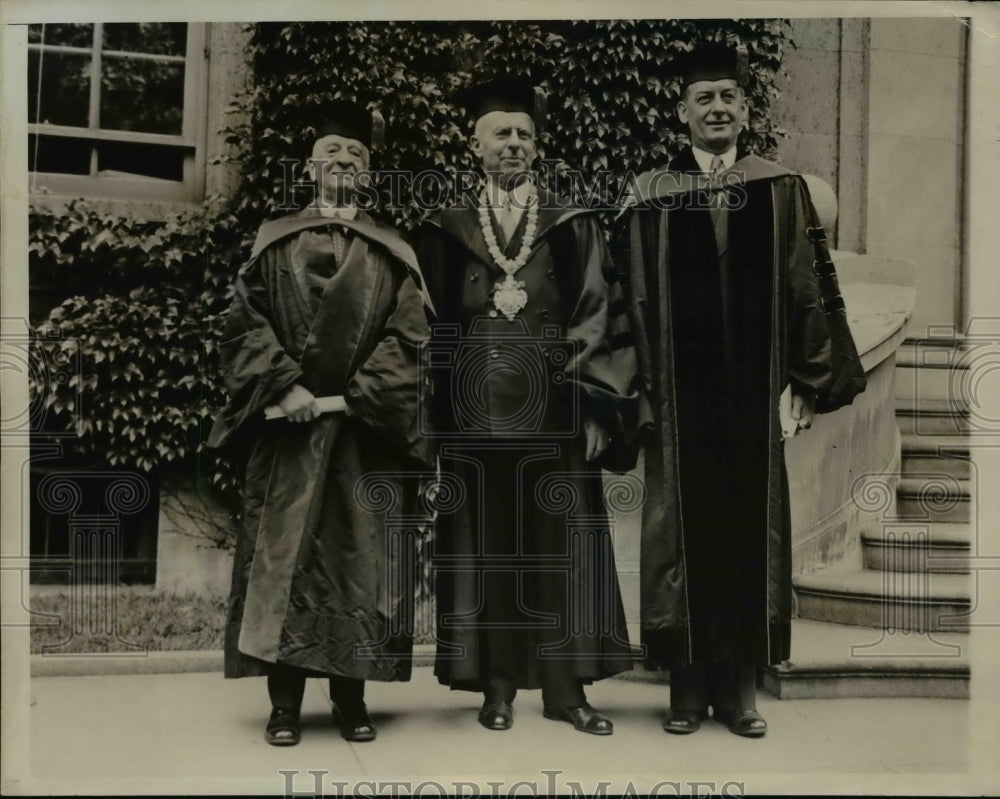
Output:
x=837 y=661
x=914 y=548
x=952 y=403
x=885 y=599
x=932 y=417
x=933 y=497
x=947 y=454
x=937 y=352
x=954 y=465
x=953 y=445
x=937 y=424
x=931 y=368
x=928 y=383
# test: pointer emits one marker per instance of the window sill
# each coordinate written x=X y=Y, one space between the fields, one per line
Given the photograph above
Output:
x=153 y=210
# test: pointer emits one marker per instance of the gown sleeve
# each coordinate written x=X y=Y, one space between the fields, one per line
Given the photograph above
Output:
x=822 y=357
x=604 y=366
x=388 y=390
x=630 y=252
x=256 y=368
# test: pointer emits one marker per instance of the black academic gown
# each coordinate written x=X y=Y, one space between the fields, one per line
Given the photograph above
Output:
x=524 y=553
x=323 y=578
x=717 y=341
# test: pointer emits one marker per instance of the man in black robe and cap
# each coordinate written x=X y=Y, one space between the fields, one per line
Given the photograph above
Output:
x=325 y=330
x=533 y=392
x=740 y=335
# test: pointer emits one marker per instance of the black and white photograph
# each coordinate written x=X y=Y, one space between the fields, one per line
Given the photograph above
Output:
x=539 y=399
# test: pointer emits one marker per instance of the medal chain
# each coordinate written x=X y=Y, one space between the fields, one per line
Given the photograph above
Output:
x=509 y=265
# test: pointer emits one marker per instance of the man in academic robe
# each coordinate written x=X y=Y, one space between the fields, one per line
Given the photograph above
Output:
x=737 y=347
x=533 y=374
x=330 y=304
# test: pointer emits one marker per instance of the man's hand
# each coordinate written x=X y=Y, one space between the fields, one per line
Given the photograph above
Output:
x=598 y=438
x=803 y=410
x=795 y=412
x=299 y=404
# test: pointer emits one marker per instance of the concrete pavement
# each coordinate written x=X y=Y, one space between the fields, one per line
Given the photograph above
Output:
x=199 y=733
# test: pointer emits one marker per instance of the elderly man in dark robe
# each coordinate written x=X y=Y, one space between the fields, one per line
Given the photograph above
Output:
x=533 y=371
x=328 y=313
x=740 y=335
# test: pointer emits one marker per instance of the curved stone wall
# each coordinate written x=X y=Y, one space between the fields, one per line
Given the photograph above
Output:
x=843 y=472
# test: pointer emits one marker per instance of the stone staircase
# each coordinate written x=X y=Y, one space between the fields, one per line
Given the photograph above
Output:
x=896 y=623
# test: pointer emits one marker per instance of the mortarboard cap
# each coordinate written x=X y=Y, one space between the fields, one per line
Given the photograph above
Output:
x=715 y=62
x=504 y=94
x=352 y=121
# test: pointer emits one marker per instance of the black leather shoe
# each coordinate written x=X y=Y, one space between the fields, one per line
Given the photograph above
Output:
x=356 y=724
x=583 y=718
x=283 y=728
x=684 y=722
x=497 y=715
x=748 y=723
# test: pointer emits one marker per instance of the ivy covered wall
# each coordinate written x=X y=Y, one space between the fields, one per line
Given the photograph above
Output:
x=610 y=84
x=149 y=297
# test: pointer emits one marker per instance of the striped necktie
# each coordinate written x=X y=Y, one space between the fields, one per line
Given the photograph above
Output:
x=719 y=221
x=717 y=167
x=339 y=243
x=720 y=225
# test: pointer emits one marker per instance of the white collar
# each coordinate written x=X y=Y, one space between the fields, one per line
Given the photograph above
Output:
x=516 y=200
x=704 y=158
x=347 y=212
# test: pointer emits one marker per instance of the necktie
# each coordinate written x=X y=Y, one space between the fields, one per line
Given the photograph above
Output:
x=339 y=242
x=508 y=218
x=717 y=168
x=720 y=223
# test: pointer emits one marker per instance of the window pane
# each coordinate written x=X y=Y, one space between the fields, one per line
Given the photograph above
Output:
x=129 y=159
x=142 y=95
x=163 y=38
x=59 y=154
x=64 y=93
x=34 y=34
x=74 y=35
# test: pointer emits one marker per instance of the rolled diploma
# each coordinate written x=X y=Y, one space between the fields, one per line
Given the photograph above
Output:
x=326 y=405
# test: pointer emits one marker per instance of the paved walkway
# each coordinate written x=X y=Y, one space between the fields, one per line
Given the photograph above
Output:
x=199 y=733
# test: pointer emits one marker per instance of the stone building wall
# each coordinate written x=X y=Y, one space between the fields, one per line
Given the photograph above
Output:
x=877 y=109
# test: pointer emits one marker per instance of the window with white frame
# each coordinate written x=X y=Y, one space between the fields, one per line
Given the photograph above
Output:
x=117 y=110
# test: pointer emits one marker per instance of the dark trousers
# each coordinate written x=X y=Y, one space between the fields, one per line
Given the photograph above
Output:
x=287 y=684
x=560 y=686
x=724 y=686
